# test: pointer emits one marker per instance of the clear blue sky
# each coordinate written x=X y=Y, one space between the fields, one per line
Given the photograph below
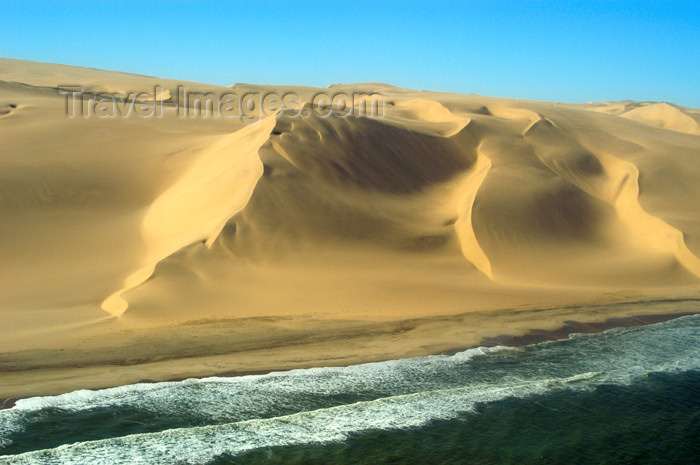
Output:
x=544 y=50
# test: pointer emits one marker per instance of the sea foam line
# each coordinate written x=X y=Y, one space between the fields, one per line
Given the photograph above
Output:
x=198 y=445
x=615 y=356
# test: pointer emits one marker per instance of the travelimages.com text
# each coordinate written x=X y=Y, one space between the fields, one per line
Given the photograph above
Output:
x=249 y=107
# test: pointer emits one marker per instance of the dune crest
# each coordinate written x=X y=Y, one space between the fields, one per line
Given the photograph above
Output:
x=661 y=114
x=615 y=182
x=198 y=205
x=651 y=231
x=665 y=116
x=426 y=115
x=465 y=229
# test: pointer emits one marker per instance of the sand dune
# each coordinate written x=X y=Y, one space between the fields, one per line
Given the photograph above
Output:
x=124 y=240
x=198 y=205
x=662 y=114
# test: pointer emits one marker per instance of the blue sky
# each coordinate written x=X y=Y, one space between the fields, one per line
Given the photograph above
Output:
x=543 y=50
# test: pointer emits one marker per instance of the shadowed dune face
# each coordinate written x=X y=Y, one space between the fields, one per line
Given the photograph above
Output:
x=375 y=217
x=359 y=179
x=369 y=154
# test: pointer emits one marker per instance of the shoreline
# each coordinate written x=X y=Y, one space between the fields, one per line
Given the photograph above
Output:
x=537 y=336
x=532 y=337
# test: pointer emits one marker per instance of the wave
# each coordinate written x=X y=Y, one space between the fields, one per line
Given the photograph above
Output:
x=201 y=444
x=328 y=404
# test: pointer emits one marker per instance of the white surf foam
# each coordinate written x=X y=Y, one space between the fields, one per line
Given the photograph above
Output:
x=217 y=399
x=407 y=393
x=326 y=379
x=201 y=444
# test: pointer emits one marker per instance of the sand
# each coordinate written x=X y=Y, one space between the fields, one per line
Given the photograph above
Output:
x=159 y=248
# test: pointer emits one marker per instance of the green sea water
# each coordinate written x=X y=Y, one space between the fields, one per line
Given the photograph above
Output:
x=624 y=396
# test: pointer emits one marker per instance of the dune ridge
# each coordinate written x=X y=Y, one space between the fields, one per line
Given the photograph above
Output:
x=198 y=205
x=662 y=114
x=616 y=182
x=465 y=229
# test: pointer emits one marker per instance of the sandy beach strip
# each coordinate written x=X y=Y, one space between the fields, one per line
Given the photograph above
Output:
x=36 y=373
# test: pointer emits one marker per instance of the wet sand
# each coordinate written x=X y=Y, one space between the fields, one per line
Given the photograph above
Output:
x=74 y=379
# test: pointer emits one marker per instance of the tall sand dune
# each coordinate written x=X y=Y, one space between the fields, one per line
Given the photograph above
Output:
x=165 y=247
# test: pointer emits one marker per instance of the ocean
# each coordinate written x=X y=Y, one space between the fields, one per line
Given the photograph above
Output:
x=624 y=396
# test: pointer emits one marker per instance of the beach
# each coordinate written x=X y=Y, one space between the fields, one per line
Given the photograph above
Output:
x=256 y=347
x=627 y=394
